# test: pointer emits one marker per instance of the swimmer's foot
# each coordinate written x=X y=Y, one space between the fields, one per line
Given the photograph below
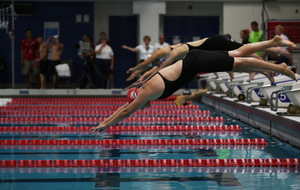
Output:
x=251 y=76
x=287 y=72
x=281 y=42
x=199 y=93
x=231 y=75
x=269 y=75
x=284 y=53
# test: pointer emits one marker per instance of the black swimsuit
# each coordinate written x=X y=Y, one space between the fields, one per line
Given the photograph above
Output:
x=194 y=62
x=217 y=43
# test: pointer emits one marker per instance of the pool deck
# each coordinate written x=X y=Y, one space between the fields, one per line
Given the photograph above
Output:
x=282 y=126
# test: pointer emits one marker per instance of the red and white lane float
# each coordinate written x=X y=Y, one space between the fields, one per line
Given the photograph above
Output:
x=286 y=162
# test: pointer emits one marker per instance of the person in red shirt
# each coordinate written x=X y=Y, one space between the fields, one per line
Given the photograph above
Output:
x=29 y=51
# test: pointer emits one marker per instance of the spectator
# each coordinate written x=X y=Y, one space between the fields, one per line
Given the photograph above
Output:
x=104 y=63
x=143 y=49
x=57 y=49
x=103 y=34
x=279 y=30
x=111 y=76
x=89 y=58
x=161 y=43
x=245 y=37
x=29 y=51
x=42 y=60
x=256 y=35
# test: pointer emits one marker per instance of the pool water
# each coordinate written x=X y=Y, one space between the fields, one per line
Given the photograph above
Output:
x=145 y=177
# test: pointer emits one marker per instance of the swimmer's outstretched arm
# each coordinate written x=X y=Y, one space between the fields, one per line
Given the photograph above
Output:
x=144 y=65
x=175 y=55
x=148 y=74
x=125 y=111
x=134 y=74
x=143 y=78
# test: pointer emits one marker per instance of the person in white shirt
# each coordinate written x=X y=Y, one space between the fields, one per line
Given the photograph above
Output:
x=104 y=62
x=161 y=43
x=279 y=30
x=143 y=49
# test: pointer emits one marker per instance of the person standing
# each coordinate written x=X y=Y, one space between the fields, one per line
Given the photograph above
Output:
x=111 y=75
x=29 y=51
x=89 y=58
x=256 y=35
x=161 y=43
x=42 y=60
x=104 y=62
x=143 y=49
x=57 y=49
x=245 y=37
x=103 y=34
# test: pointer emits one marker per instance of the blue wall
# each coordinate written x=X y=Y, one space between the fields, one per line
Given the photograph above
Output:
x=70 y=34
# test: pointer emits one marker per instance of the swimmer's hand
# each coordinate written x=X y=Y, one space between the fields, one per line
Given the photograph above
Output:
x=141 y=79
x=129 y=71
x=132 y=76
x=135 y=84
x=100 y=128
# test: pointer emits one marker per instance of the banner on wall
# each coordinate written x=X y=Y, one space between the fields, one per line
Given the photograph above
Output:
x=51 y=29
x=291 y=30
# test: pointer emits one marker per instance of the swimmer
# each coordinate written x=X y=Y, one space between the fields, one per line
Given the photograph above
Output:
x=214 y=43
x=245 y=50
x=168 y=80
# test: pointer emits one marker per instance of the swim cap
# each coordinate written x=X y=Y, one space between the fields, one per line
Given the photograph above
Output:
x=162 y=61
x=147 y=57
x=132 y=94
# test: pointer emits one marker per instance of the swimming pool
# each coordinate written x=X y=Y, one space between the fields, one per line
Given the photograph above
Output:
x=144 y=152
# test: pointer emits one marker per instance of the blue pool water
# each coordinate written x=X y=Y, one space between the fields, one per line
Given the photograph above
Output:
x=149 y=178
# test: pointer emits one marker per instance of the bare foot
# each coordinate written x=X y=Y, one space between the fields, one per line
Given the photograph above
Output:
x=269 y=75
x=287 y=72
x=199 y=93
x=284 y=53
x=216 y=75
x=281 y=42
x=251 y=76
x=231 y=74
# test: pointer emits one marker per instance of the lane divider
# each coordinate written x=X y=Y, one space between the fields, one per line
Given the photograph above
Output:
x=99 y=119
x=96 y=169
x=127 y=128
x=277 y=162
x=135 y=142
x=103 y=113
x=97 y=147
x=78 y=100
x=96 y=106
x=147 y=133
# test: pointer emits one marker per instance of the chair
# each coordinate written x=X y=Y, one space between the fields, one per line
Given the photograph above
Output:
x=66 y=79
